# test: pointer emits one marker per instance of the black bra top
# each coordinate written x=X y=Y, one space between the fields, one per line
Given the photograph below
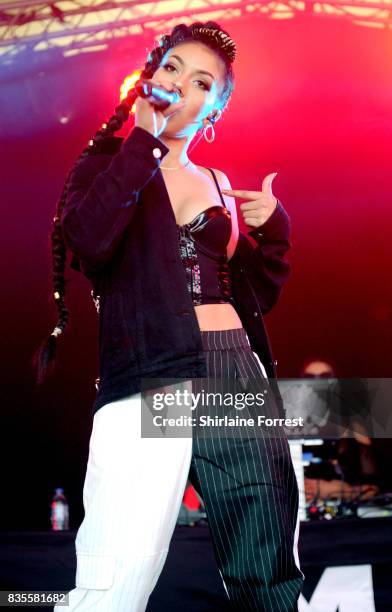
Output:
x=203 y=243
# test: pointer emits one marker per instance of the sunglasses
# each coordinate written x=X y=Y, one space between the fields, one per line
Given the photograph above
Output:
x=322 y=375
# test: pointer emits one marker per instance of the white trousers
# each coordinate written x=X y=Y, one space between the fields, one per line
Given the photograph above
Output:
x=132 y=496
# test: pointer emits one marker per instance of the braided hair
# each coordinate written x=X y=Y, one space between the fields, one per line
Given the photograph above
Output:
x=213 y=36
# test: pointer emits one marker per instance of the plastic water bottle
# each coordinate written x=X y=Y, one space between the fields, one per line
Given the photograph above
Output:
x=59 y=515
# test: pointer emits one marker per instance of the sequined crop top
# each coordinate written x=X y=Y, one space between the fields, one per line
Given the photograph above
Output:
x=202 y=243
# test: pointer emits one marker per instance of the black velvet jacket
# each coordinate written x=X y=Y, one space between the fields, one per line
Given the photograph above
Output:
x=120 y=226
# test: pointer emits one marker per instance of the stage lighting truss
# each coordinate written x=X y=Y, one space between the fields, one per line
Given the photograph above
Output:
x=75 y=26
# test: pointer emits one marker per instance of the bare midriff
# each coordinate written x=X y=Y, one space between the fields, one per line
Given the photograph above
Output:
x=217 y=317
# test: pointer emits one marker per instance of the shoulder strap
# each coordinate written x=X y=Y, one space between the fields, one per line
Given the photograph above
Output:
x=217 y=185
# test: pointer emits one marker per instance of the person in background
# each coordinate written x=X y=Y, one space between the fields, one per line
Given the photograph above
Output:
x=349 y=469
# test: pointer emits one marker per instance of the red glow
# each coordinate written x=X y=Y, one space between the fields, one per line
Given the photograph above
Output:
x=127 y=84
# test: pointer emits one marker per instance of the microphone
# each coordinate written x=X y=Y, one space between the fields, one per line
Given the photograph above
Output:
x=160 y=97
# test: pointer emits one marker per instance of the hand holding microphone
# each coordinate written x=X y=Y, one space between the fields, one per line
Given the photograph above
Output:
x=151 y=106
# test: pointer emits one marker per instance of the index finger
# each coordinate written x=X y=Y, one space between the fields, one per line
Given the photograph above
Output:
x=241 y=193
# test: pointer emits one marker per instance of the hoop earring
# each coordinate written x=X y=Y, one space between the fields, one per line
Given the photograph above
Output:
x=212 y=138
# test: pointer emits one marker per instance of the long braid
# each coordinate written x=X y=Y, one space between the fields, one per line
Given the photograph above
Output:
x=43 y=359
x=211 y=34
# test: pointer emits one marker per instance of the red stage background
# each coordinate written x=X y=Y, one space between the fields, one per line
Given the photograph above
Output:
x=313 y=102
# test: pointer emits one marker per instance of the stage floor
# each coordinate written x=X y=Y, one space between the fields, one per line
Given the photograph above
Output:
x=45 y=560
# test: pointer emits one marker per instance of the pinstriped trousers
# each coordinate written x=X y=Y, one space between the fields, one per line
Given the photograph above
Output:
x=248 y=486
x=249 y=489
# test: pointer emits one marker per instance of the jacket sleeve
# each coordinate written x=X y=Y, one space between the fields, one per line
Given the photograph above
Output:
x=102 y=196
x=265 y=264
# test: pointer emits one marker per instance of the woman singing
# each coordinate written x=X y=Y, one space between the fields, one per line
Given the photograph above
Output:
x=181 y=293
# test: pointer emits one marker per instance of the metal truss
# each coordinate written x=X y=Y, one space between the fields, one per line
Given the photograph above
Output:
x=73 y=26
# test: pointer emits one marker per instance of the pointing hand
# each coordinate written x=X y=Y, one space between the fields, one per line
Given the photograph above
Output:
x=260 y=204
